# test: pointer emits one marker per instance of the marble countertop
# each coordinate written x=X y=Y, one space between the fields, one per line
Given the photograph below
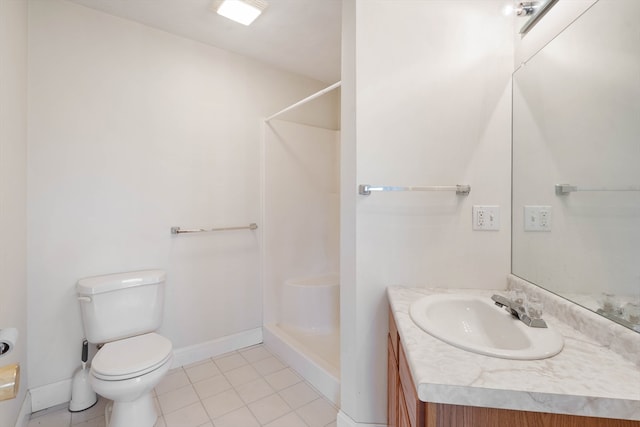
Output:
x=586 y=378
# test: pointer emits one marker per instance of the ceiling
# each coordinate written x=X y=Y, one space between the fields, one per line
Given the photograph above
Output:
x=302 y=36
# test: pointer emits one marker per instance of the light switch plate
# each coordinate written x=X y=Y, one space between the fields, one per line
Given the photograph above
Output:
x=486 y=218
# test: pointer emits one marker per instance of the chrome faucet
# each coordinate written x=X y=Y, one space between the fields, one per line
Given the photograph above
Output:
x=518 y=311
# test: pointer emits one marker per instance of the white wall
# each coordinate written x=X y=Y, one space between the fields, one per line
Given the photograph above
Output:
x=431 y=90
x=13 y=166
x=301 y=207
x=133 y=130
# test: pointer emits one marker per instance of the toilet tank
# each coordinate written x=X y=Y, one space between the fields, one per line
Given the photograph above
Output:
x=116 y=306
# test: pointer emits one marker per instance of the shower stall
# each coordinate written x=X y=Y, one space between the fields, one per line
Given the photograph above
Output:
x=300 y=247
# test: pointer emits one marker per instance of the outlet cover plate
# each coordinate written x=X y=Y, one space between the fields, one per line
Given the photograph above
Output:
x=537 y=218
x=486 y=218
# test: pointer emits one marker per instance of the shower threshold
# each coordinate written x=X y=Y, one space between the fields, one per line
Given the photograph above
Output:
x=316 y=357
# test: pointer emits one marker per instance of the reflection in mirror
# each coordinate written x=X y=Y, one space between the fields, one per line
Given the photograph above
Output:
x=576 y=122
x=533 y=11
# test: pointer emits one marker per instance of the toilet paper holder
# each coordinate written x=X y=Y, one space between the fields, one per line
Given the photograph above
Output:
x=9 y=381
x=8 y=338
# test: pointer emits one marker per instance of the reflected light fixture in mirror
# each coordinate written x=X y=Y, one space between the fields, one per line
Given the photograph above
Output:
x=241 y=11
x=533 y=10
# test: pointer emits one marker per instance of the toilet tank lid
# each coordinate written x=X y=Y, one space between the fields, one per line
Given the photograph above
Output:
x=111 y=282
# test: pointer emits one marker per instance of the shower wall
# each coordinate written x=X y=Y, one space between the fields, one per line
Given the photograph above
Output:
x=301 y=208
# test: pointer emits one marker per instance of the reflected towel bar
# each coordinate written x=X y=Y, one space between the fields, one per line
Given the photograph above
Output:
x=366 y=189
x=564 y=189
x=178 y=230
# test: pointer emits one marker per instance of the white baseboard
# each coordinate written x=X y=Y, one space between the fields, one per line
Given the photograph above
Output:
x=343 y=420
x=195 y=353
x=50 y=395
x=25 y=411
x=57 y=393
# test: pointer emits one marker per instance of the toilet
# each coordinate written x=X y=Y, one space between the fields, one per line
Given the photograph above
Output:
x=121 y=312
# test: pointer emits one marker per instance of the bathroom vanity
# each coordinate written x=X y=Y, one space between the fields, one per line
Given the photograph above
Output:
x=434 y=384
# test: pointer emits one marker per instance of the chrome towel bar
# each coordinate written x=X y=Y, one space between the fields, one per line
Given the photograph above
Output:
x=366 y=189
x=178 y=230
x=564 y=189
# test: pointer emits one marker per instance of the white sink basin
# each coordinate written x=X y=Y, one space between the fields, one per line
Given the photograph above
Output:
x=476 y=324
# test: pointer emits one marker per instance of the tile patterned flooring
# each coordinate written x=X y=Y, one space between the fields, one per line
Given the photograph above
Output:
x=246 y=388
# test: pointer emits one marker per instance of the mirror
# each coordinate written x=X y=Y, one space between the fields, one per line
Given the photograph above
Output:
x=576 y=122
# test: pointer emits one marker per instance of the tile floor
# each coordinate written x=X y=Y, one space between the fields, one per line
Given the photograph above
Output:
x=245 y=388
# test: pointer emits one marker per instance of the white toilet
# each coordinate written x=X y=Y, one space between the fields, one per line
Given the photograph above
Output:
x=122 y=311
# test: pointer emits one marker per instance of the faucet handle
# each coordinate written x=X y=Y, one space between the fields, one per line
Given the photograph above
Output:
x=534 y=307
x=518 y=297
x=501 y=301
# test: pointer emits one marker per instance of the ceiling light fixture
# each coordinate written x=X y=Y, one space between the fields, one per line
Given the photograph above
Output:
x=242 y=11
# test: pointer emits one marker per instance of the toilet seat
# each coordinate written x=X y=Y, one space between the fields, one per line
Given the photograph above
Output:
x=131 y=357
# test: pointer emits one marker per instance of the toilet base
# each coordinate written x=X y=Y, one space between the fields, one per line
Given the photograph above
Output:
x=140 y=413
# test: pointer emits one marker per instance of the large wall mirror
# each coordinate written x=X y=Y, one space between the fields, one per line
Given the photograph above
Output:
x=576 y=122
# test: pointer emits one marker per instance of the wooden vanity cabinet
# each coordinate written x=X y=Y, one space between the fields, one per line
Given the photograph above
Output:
x=392 y=387
x=404 y=409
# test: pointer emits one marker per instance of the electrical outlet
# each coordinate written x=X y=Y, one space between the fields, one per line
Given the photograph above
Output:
x=537 y=218
x=486 y=217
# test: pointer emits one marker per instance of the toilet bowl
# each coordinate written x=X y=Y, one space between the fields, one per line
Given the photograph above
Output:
x=126 y=371
x=121 y=312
